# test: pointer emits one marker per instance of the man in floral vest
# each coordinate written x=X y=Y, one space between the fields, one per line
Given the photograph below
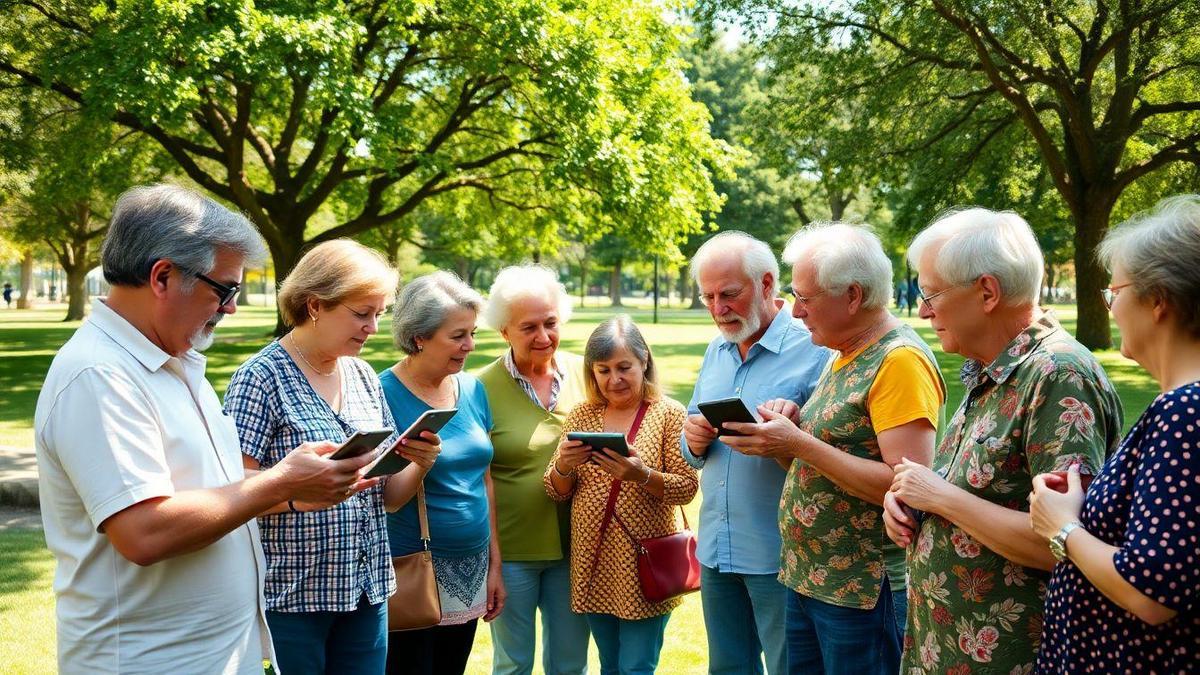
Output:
x=1036 y=401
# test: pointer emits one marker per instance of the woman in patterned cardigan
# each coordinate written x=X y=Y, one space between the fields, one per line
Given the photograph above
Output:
x=622 y=397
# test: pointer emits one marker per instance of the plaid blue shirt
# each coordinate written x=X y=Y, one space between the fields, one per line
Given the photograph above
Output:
x=319 y=561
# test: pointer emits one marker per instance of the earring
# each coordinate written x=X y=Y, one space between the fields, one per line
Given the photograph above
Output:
x=420 y=348
x=313 y=317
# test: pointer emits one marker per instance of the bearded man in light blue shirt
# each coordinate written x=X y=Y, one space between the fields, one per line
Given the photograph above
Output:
x=762 y=355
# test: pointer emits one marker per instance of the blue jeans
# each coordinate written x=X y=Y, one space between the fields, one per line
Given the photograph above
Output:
x=544 y=585
x=835 y=640
x=626 y=646
x=744 y=616
x=331 y=642
x=900 y=606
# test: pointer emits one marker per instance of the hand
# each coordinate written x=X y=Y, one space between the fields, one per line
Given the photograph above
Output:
x=784 y=407
x=620 y=466
x=899 y=521
x=421 y=451
x=919 y=487
x=1050 y=509
x=571 y=454
x=775 y=437
x=496 y=593
x=307 y=474
x=699 y=434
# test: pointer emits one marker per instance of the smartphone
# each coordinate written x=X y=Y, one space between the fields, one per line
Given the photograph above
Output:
x=431 y=420
x=725 y=410
x=360 y=443
x=601 y=441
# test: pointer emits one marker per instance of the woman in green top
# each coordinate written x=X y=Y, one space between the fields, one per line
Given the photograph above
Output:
x=530 y=389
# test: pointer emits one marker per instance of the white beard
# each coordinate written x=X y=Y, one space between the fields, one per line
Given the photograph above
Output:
x=203 y=338
x=749 y=326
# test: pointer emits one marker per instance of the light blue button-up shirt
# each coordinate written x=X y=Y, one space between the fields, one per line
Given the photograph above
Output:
x=739 y=517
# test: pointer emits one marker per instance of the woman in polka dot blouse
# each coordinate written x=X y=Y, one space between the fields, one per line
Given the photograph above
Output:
x=1124 y=596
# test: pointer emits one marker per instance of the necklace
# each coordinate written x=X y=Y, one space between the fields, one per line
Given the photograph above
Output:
x=309 y=363
x=434 y=396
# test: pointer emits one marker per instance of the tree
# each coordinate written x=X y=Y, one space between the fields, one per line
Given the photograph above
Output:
x=363 y=112
x=76 y=168
x=1106 y=92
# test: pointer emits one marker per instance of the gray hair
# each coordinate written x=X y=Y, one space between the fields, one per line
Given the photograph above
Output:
x=1160 y=248
x=422 y=306
x=756 y=257
x=612 y=334
x=978 y=241
x=524 y=281
x=844 y=254
x=167 y=222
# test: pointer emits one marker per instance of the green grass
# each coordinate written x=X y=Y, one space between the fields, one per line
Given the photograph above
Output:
x=31 y=337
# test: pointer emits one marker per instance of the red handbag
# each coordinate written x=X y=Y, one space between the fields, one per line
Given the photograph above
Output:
x=667 y=565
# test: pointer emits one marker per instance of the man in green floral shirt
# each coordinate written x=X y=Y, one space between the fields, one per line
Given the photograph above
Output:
x=1035 y=401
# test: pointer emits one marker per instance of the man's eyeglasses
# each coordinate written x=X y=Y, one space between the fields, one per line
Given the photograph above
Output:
x=1111 y=293
x=801 y=299
x=928 y=298
x=225 y=294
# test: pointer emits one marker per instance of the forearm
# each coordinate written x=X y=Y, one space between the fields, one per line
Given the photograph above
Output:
x=193 y=519
x=867 y=479
x=561 y=485
x=402 y=487
x=1094 y=558
x=1005 y=531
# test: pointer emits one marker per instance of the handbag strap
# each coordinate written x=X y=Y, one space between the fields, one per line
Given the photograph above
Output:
x=422 y=516
x=610 y=508
x=662 y=468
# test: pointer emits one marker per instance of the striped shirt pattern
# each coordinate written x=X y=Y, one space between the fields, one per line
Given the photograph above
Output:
x=555 y=384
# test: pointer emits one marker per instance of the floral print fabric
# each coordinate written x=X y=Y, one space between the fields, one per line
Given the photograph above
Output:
x=1042 y=405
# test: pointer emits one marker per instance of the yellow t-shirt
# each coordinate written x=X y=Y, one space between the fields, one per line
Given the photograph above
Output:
x=906 y=388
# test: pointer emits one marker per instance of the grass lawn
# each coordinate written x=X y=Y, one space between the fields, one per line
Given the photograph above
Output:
x=31 y=337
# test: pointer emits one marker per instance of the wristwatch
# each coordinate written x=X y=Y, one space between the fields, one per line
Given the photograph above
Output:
x=1058 y=543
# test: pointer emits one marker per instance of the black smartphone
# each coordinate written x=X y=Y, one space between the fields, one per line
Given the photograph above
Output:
x=601 y=441
x=430 y=420
x=725 y=410
x=360 y=443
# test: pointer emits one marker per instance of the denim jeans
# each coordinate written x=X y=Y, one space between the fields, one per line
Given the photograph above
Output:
x=628 y=647
x=744 y=616
x=835 y=640
x=900 y=607
x=544 y=585
x=331 y=642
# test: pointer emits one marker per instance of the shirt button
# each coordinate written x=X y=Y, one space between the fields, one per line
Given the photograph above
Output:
x=722 y=483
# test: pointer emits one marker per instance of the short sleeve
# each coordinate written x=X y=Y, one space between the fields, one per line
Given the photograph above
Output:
x=1161 y=553
x=1067 y=422
x=907 y=388
x=251 y=406
x=108 y=442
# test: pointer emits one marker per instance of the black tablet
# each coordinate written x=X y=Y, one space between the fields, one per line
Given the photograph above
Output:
x=727 y=410
x=430 y=420
x=601 y=441
x=360 y=443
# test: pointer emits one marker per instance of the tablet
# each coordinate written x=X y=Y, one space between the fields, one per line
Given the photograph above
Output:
x=360 y=443
x=727 y=410
x=601 y=441
x=430 y=420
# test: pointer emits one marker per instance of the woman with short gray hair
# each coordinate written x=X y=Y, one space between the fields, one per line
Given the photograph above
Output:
x=1123 y=594
x=532 y=387
x=433 y=323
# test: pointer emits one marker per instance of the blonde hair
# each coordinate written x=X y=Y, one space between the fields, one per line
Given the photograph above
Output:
x=614 y=333
x=332 y=272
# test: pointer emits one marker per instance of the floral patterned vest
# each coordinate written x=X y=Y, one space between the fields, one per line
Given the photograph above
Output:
x=834 y=545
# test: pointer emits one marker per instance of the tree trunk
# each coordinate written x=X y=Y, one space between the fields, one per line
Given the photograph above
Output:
x=837 y=205
x=76 y=291
x=614 y=285
x=25 y=300
x=583 y=270
x=1049 y=281
x=1093 y=328
x=285 y=260
x=687 y=288
x=464 y=267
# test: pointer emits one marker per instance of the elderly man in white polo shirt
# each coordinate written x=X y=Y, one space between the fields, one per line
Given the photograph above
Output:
x=145 y=503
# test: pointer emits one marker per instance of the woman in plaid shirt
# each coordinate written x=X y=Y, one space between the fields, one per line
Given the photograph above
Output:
x=329 y=570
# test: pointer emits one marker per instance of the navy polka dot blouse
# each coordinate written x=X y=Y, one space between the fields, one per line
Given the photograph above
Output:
x=1146 y=502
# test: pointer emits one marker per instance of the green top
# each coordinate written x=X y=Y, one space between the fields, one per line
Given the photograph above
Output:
x=1042 y=404
x=834 y=545
x=530 y=526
